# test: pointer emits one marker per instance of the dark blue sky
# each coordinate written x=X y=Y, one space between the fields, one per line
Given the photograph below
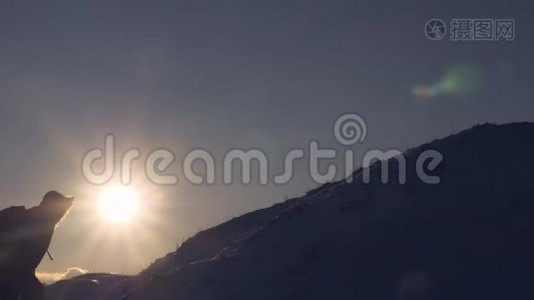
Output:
x=271 y=75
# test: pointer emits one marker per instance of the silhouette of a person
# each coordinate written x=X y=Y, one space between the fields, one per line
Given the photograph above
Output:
x=25 y=235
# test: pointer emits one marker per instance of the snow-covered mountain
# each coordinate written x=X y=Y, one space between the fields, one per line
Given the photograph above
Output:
x=468 y=237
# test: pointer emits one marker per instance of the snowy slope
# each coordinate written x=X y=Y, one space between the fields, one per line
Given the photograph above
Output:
x=469 y=237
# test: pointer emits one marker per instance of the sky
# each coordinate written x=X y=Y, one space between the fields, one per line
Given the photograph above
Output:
x=269 y=75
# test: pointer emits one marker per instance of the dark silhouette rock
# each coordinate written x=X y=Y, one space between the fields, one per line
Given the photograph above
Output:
x=88 y=286
x=25 y=235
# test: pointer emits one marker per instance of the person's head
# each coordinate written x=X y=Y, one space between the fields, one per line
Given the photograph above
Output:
x=55 y=206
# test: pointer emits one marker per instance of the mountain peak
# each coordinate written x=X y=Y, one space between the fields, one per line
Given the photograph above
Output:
x=466 y=237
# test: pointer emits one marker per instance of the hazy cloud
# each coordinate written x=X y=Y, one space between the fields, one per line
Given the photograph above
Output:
x=49 y=278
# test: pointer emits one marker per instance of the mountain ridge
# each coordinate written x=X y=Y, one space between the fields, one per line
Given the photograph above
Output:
x=355 y=240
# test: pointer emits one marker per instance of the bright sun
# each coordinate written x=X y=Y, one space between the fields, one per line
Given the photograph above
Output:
x=118 y=203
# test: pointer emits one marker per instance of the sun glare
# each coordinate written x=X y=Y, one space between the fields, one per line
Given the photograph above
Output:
x=118 y=203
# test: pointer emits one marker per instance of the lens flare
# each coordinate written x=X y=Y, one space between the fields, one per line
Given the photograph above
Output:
x=463 y=79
